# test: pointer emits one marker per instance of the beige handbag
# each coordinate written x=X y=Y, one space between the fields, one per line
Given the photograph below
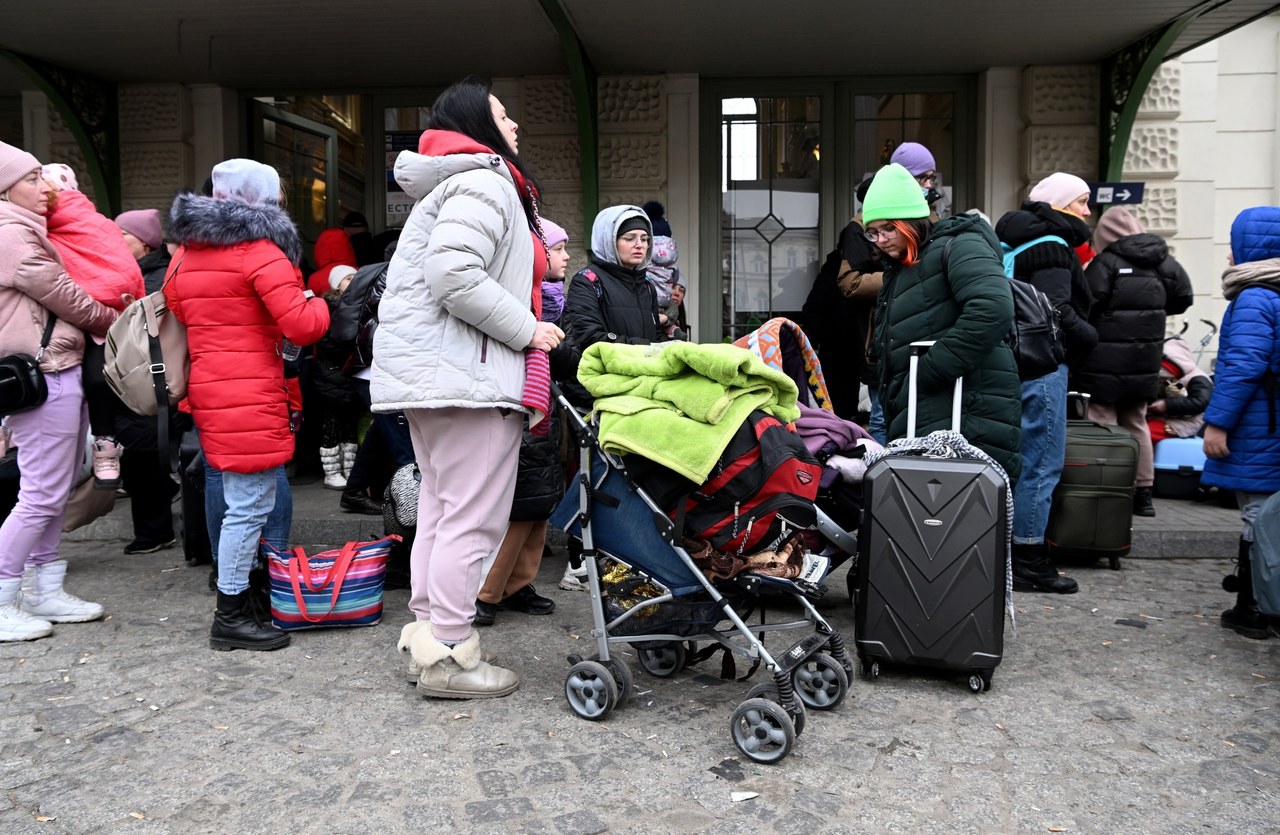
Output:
x=86 y=504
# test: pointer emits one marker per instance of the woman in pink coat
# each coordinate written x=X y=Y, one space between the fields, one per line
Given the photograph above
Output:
x=34 y=286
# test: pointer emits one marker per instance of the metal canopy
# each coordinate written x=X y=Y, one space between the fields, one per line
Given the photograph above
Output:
x=339 y=45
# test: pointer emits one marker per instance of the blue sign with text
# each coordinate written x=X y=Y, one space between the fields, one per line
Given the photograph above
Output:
x=1109 y=194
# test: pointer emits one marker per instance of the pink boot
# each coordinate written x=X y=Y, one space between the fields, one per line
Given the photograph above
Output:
x=106 y=464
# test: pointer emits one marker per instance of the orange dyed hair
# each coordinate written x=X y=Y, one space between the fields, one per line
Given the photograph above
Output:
x=911 y=240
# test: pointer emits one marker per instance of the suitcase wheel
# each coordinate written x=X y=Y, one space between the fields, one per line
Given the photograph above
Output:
x=1115 y=563
x=979 y=682
x=870 y=669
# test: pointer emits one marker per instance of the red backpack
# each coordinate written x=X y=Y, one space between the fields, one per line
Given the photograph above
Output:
x=763 y=486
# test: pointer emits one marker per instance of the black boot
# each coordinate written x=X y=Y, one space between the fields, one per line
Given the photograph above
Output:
x=1245 y=617
x=237 y=624
x=1032 y=571
x=1142 y=505
x=357 y=500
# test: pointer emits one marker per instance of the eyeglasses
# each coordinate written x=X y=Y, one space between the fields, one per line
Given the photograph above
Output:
x=633 y=238
x=888 y=233
x=927 y=177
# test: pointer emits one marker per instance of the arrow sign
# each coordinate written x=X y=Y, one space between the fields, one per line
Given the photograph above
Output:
x=1115 y=194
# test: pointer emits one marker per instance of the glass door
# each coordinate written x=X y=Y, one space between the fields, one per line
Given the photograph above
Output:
x=771 y=207
x=782 y=161
x=305 y=153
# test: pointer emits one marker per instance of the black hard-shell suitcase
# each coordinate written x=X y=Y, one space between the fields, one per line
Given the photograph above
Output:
x=192 y=522
x=930 y=578
x=1092 y=512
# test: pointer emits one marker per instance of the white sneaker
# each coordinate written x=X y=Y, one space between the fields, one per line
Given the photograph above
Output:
x=574 y=579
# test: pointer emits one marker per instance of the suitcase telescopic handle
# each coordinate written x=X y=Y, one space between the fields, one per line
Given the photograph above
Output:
x=917 y=350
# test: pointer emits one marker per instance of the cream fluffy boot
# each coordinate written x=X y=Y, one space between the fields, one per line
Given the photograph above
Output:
x=458 y=672
x=414 y=670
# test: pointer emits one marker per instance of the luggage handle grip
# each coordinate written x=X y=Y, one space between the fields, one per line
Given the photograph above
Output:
x=917 y=349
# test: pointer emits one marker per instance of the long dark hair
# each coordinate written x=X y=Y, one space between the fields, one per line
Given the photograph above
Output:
x=464 y=108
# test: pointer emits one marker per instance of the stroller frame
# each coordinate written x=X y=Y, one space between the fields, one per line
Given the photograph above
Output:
x=814 y=672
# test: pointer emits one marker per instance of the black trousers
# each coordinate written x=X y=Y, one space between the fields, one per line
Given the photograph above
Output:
x=98 y=395
x=151 y=491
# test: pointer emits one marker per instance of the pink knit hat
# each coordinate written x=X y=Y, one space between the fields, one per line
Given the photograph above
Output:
x=1115 y=223
x=554 y=233
x=143 y=224
x=1059 y=190
x=62 y=177
x=15 y=164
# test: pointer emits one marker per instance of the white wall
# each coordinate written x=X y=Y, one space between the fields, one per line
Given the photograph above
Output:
x=1229 y=136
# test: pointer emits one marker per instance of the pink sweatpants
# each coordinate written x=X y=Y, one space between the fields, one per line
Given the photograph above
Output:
x=468 y=459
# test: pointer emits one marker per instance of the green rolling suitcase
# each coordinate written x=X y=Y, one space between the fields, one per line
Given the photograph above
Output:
x=1092 y=512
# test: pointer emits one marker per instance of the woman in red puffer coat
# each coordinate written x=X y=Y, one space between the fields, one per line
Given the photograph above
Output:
x=235 y=284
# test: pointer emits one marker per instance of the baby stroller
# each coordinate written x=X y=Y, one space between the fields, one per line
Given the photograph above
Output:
x=654 y=597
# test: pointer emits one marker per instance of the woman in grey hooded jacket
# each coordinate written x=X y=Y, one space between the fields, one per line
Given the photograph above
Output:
x=455 y=321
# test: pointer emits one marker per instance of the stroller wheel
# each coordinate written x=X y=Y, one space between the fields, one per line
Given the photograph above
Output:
x=762 y=730
x=621 y=676
x=591 y=690
x=821 y=682
x=769 y=690
x=662 y=660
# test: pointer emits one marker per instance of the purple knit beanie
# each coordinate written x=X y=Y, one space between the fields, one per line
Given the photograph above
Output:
x=914 y=157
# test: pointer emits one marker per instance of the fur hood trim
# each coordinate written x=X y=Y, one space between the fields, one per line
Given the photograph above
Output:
x=206 y=221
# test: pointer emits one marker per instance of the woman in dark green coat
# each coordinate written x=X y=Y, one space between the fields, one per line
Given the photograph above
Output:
x=944 y=282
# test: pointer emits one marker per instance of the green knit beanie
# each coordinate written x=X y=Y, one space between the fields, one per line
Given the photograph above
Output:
x=894 y=195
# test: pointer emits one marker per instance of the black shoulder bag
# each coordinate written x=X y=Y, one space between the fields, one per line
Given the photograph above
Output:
x=22 y=384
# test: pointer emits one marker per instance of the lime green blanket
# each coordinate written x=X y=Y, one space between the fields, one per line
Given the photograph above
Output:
x=679 y=403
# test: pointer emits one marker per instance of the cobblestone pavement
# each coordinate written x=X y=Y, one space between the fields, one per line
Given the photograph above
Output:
x=1124 y=708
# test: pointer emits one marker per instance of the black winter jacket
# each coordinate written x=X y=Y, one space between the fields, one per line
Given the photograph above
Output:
x=838 y=325
x=354 y=319
x=540 y=478
x=1054 y=269
x=620 y=305
x=1136 y=284
x=1199 y=393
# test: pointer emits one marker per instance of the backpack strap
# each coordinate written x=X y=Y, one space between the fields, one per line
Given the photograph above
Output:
x=168 y=453
x=594 y=280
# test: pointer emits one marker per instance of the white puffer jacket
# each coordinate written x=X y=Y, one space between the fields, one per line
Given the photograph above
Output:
x=455 y=317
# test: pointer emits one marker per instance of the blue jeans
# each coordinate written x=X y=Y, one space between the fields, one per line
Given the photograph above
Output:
x=250 y=498
x=876 y=425
x=276 y=528
x=1044 y=448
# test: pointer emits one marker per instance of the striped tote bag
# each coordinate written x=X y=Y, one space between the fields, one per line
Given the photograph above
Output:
x=340 y=587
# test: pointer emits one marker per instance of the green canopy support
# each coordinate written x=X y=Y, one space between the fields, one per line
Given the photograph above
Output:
x=90 y=107
x=1125 y=76
x=582 y=79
